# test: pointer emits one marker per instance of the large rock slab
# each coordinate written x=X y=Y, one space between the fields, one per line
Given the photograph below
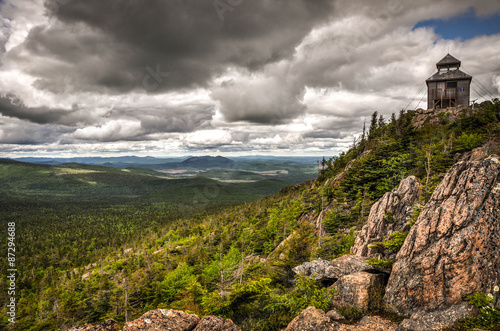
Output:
x=167 y=319
x=370 y=323
x=350 y=264
x=359 y=289
x=312 y=319
x=318 y=270
x=367 y=323
x=436 y=320
x=325 y=271
x=163 y=319
x=452 y=250
x=213 y=323
x=109 y=325
x=390 y=213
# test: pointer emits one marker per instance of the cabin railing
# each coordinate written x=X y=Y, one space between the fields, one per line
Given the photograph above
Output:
x=449 y=93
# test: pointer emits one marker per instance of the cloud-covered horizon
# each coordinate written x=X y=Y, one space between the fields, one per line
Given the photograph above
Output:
x=227 y=76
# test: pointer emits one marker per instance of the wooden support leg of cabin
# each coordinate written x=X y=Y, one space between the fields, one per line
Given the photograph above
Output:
x=436 y=102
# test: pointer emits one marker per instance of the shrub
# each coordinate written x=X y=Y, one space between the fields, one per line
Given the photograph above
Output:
x=338 y=245
x=443 y=117
x=389 y=217
x=489 y=318
x=376 y=299
x=395 y=241
x=334 y=220
x=416 y=213
x=480 y=300
x=385 y=264
x=377 y=245
x=282 y=308
x=469 y=141
x=351 y=313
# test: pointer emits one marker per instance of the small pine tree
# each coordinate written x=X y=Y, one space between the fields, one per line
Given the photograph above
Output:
x=373 y=126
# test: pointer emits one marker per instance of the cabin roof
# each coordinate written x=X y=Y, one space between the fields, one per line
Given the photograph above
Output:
x=448 y=59
x=449 y=75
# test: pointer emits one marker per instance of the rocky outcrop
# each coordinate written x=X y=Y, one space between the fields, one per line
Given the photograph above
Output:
x=359 y=289
x=389 y=214
x=334 y=315
x=437 y=320
x=370 y=323
x=167 y=319
x=452 y=250
x=326 y=271
x=318 y=270
x=109 y=325
x=213 y=323
x=312 y=319
x=436 y=116
x=478 y=153
x=163 y=319
x=350 y=264
x=318 y=223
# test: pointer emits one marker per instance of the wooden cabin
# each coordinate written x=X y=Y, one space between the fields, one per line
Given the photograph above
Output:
x=449 y=86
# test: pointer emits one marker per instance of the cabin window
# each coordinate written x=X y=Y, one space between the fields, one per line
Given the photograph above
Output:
x=451 y=85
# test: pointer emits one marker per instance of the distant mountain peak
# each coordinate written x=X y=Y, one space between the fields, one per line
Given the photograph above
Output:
x=207 y=161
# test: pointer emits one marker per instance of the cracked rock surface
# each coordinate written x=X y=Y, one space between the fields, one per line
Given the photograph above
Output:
x=399 y=203
x=453 y=249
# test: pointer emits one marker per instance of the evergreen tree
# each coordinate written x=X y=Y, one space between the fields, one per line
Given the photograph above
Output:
x=373 y=126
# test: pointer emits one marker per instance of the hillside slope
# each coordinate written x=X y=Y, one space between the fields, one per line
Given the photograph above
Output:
x=237 y=263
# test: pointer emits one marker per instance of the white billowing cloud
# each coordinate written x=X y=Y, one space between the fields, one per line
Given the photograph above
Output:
x=347 y=104
x=209 y=138
x=112 y=130
x=22 y=16
x=276 y=140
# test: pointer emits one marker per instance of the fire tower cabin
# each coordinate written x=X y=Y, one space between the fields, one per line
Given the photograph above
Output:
x=449 y=87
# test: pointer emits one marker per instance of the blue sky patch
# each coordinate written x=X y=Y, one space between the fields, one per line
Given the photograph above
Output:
x=464 y=26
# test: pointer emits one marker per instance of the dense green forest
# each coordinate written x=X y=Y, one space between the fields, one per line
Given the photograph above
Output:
x=84 y=260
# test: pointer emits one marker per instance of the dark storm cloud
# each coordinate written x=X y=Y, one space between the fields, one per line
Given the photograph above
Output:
x=176 y=122
x=271 y=98
x=184 y=119
x=119 y=44
x=326 y=134
x=4 y=32
x=117 y=123
x=15 y=131
x=136 y=124
x=12 y=106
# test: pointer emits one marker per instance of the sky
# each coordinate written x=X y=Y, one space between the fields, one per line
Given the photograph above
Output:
x=225 y=77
